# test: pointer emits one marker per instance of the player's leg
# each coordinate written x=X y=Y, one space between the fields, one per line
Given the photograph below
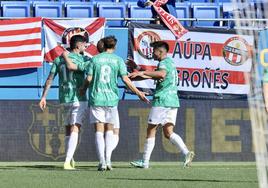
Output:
x=72 y=144
x=100 y=145
x=97 y=117
x=149 y=144
x=116 y=137
x=67 y=122
x=76 y=119
x=113 y=123
x=154 y=119
x=67 y=136
x=170 y=121
x=67 y=111
x=109 y=139
x=148 y=147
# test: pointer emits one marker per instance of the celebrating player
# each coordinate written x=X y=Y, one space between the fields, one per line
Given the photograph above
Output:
x=102 y=78
x=69 y=83
x=165 y=104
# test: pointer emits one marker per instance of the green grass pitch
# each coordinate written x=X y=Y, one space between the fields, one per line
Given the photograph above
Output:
x=161 y=174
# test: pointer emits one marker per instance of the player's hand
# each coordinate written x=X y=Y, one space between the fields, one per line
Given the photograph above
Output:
x=43 y=104
x=143 y=97
x=135 y=74
x=149 y=3
x=65 y=54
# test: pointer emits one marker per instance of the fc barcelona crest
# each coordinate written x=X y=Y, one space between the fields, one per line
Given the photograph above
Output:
x=47 y=131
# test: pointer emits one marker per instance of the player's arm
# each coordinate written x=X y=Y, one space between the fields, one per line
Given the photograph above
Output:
x=132 y=87
x=156 y=75
x=85 y=85
x=42 y=103
x=69 y=63
x=136 y=76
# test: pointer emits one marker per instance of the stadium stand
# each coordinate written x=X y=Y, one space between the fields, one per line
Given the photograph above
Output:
x=135 y=11
x=222 y=1
x=15 y=9
x=47 y=9
x=124 y=8
x=206 y=11
x=112 y=10
x=103 y=1
x=79 y=9
x=183 y=11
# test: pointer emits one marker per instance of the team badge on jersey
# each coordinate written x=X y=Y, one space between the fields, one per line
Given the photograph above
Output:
x=47 y=131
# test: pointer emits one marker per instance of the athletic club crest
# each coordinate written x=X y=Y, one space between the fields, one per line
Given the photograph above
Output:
x=47 y=132
x=69 y=32
x=236 y=51
x=143 y=43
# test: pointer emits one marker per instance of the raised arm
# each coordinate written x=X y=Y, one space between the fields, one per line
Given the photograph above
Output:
x=42 y=103
x=142 y=75
x=69 y=63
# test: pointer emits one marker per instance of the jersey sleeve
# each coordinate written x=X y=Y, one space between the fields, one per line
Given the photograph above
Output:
x=162 y=66
x=89 y=68
x=83 y=66
x=122 y=68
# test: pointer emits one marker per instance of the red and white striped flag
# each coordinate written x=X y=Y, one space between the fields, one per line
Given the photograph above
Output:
x=59 y=32
x=20 y=43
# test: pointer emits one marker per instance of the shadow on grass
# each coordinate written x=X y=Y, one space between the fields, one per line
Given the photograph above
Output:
x=48 y=167
x=187 y=180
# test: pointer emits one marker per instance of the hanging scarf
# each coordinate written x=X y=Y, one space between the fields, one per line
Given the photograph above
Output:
x=169 y=20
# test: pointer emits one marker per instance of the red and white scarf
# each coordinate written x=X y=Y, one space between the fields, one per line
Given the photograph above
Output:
x=169 y=20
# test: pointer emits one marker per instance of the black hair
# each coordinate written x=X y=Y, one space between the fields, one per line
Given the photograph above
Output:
x=109 y=42
x=75 y=39
x=100 y=45
x=160 y=44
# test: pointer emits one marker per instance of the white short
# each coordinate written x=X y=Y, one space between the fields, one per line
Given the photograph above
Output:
x=162 y=115
x=74 y=113
x=104 y=114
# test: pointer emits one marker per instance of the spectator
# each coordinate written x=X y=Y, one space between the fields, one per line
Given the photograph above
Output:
x=169 y=7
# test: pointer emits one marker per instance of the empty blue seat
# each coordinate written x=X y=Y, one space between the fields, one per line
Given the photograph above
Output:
x=32 y=1
x=129 y=1
x=211 y=11
x=183 y=12
x=47 y=9
x=135 y=11
x=79 y=10
x=197 y=1
x=223 y=1
x=15 y=9
x=112 y=10
x=102 y=1
x=67 y=1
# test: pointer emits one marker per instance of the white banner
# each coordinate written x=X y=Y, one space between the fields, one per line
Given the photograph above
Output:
x=207 y=62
